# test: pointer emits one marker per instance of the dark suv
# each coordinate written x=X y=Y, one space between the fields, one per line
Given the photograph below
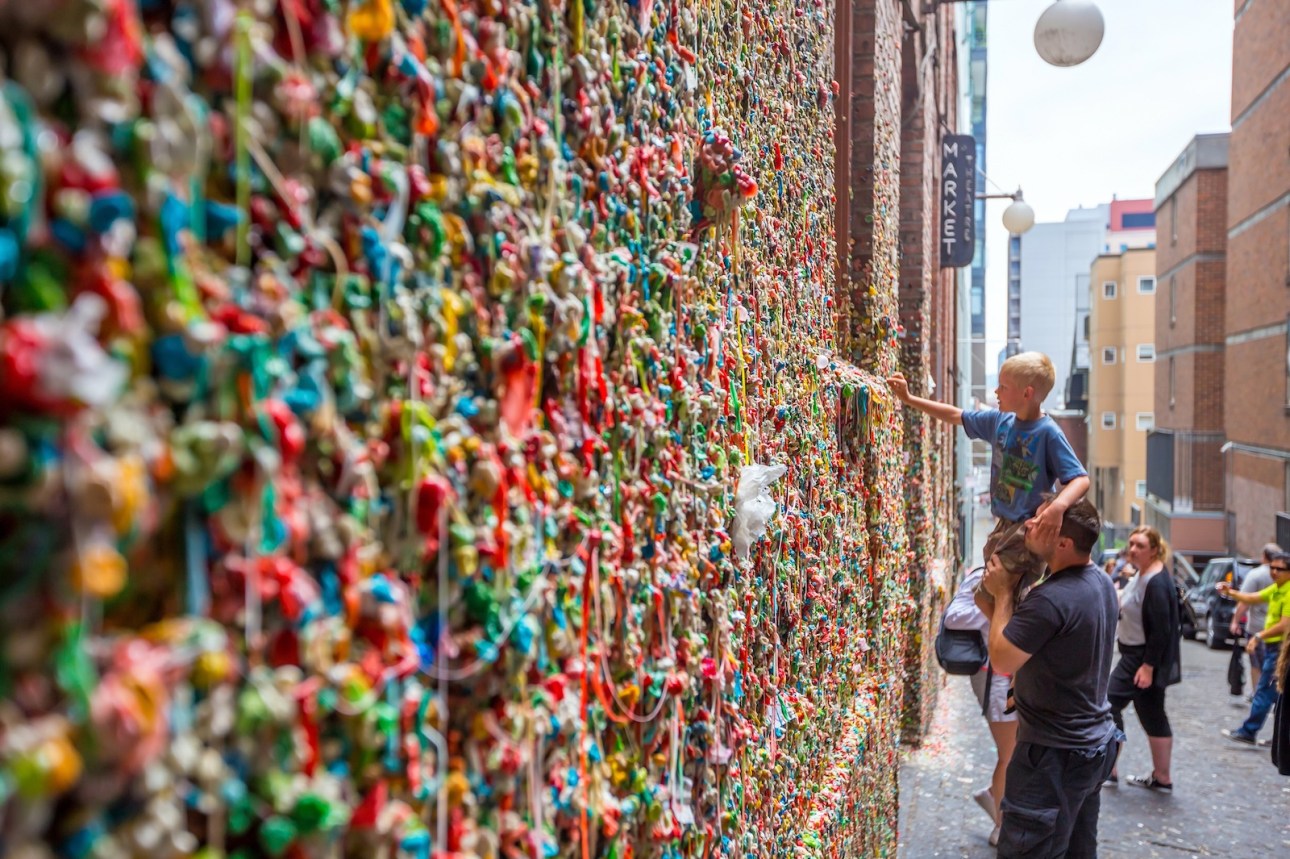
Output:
x=1214 y=611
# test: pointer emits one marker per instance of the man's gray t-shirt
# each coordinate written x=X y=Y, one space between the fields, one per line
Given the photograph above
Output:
x=1259 y=578
x=1067 y=625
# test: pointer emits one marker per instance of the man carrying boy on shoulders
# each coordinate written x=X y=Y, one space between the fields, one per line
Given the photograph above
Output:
x=1058 y=645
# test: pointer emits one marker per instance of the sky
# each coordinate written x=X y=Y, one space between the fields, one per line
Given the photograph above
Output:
x=1110 y=126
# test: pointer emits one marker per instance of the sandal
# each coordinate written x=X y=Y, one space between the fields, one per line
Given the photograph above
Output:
x=1150 y=782
x=1112 y=780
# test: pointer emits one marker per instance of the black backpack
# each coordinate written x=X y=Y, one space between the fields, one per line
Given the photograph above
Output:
x=961 y=652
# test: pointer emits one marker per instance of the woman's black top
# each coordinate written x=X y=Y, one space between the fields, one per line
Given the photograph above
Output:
x=1162 y=626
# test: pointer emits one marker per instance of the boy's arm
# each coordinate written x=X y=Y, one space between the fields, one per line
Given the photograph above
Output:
x=1051 y=519
x=941 y=411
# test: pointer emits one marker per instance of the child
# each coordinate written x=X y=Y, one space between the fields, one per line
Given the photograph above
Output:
x=992 y=690
x=1029 y=453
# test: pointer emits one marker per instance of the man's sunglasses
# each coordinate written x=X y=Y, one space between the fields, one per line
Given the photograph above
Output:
x=1280 y=569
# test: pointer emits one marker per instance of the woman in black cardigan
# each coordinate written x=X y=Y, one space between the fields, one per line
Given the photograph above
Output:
x=1149 y=636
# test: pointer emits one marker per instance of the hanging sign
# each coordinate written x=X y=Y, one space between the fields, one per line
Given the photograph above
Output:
x=958 y=193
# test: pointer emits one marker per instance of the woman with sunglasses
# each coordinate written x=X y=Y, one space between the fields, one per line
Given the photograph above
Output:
x=1149 y=638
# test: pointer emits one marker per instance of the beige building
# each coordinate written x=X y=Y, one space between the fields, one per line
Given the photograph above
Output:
x=1121 y=399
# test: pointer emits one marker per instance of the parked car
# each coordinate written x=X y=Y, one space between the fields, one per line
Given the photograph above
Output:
x=1212 y=610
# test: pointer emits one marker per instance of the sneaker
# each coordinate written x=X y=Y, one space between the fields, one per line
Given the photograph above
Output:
x=1150 y=782
x=985 y=799
x=994 y=836
x=1238 y=736
x=1112 y=780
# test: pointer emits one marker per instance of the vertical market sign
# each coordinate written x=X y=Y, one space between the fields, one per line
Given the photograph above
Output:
x=958 y=193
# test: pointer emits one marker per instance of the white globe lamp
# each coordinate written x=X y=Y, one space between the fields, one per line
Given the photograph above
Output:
x=1069 y=32
x=1019 y=217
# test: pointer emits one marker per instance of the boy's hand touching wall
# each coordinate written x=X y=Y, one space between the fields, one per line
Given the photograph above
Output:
x=899 y=387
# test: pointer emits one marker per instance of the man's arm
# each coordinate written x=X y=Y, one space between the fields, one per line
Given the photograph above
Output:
x=951 y=414
x=1005 y=657
x=1225 y=589
x=1281 y=627
x=1237 y=617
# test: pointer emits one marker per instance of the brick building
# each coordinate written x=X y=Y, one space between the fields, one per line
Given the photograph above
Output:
x=1184 y=463
x=1256 y=376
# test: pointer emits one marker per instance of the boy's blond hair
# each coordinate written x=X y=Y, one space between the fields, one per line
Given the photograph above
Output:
x=1032 y=369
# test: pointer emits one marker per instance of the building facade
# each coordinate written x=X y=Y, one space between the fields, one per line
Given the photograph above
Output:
x=973 y=455
x=1121 y=381
x=1013 y=344
x=1256 y=373
x=976 y=46
x=1184 y=460
x=1051 y=269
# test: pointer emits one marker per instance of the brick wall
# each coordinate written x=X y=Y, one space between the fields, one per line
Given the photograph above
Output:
x=1191 y=275
x=1257 y=297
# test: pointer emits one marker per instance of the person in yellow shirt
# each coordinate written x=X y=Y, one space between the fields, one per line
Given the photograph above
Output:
x=1277 y=597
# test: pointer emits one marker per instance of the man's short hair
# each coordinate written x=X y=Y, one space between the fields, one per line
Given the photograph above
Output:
x=1279 y=557
x=1033 y=369
x=1082 y=524
x=1270 y=549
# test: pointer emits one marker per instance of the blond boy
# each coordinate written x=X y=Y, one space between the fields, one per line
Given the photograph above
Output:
x=1029 y=452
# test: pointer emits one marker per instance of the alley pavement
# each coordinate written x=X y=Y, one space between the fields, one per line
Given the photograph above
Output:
x=1228 y=800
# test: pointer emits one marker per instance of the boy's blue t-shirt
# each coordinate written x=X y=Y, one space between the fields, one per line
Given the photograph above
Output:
x=1028 y=457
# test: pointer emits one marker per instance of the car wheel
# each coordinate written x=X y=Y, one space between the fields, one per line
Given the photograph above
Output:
x=1189 y=630
x=1214 y=639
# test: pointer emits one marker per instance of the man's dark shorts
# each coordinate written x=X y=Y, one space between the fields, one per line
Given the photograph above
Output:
x=1052 y=800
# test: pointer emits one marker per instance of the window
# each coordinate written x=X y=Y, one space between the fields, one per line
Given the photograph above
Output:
x=1108 y=289
x=1173 y=220
x=1146 y=285
x=1146 y=352
x=1140 y=488
x=1108 y=420
x=1173 y=301
x=1108 y=355
x=1173 y=381
x=1146 y=421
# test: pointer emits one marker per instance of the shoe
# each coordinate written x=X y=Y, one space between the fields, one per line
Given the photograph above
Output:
x=994 y=836
x=1112 y=780
x=985 y=799
x=1238 y=737
x=1150 y=782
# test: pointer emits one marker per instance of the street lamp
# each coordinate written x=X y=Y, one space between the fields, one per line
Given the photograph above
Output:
x=1069 y=32
x=1017 y=218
